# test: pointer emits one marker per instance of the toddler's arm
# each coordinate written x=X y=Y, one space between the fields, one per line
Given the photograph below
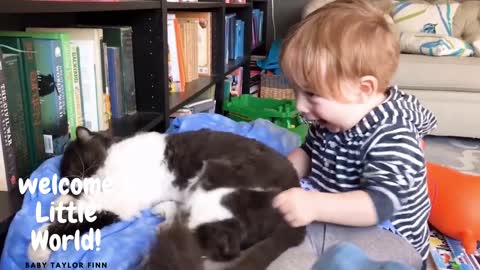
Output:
x=394 y=170
x=300 y=161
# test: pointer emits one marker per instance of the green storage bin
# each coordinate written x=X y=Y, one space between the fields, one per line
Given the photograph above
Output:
x=280 y=112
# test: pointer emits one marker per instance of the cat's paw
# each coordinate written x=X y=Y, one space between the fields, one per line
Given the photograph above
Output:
x=166 y=209
x=39 y=255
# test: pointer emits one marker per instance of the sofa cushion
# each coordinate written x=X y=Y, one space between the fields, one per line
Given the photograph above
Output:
x=434 y=45
x=446 y=73
x=415 y=16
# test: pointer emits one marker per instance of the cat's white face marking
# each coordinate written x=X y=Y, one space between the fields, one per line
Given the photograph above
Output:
x=205 y=206
x=136 y=170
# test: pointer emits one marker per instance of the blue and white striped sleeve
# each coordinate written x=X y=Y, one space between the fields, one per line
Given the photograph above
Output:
x=394 y=162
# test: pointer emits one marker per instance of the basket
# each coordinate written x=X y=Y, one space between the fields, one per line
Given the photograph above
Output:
x=280 y=112
x=276 y=87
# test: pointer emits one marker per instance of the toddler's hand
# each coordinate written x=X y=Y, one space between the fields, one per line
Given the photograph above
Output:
x=296 y=206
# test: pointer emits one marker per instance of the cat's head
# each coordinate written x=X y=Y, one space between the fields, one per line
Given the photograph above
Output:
x=84 y=155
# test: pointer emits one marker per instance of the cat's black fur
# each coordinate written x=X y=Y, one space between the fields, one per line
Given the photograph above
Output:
x=84 y=156
x=219 y=159
x=229 y=160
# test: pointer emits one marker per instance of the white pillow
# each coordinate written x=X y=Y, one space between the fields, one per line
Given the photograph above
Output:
x=434 y=45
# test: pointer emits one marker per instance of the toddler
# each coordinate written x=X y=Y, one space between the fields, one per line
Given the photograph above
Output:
x=362 y=153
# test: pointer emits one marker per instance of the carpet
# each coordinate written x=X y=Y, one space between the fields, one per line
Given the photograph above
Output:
x=462 y=154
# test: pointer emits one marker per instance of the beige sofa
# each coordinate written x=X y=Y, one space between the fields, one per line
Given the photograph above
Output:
x=448 y=86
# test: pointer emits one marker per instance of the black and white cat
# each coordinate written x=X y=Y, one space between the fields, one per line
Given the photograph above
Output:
x=215 y=189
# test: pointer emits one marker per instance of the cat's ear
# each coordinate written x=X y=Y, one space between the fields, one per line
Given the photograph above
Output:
x=84 y=134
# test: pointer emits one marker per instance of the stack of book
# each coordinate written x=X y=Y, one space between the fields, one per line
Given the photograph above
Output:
x=55 y=79
x=234 y=37
x=189 y=48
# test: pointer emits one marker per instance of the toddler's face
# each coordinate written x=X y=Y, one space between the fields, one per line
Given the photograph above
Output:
x=317 y=114
x=334 y=115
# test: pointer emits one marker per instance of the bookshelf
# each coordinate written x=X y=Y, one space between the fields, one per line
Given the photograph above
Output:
x=148 y=19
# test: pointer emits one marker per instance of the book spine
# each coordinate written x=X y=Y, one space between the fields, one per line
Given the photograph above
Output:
x=33 y=100
x=99 y=80
x=8 y=177
x=114 y=78
x=128 y=71
x=67 y=97
x=77 y=88
x=87 y=81
x=106 y=84
x=11 y=66
x=60 y=135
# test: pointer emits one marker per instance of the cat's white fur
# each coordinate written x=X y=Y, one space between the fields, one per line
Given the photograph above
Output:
x=205 y=206
x=140 y=179
x=139 y=175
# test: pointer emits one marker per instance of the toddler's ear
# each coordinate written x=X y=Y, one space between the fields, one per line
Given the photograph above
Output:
x=368 y=85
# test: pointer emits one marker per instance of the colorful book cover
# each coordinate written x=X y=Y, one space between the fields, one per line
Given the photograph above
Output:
x=448 y=253
x=52 y=95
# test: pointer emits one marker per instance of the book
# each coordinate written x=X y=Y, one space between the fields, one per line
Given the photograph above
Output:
x=204 y=43
x=115 y=82
x=176 y=75
x=189 y=34
x=23 y=46
x=16 y=112
x=89 y=41
x=121 y=37
x=77 y=86
x=49 y=51
x=52 y=98
x=239 y=39
x=67 y=95
x=231 y=22
x=8 y=166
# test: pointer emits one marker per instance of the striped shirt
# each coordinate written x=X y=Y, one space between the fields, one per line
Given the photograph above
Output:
x=382 y=156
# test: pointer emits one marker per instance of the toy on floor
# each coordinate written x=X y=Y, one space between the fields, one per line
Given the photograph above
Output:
x=455 y=198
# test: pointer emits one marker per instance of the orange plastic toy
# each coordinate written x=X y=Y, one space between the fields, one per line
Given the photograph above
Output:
x=455 y=199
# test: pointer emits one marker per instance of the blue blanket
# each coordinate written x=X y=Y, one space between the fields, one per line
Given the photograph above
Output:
x=123 y=244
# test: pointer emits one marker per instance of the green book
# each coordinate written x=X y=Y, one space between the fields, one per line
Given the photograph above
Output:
x=8 y=166
x=11 y=68
x=66 y=55
x=31 y=100
x=54 y=69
